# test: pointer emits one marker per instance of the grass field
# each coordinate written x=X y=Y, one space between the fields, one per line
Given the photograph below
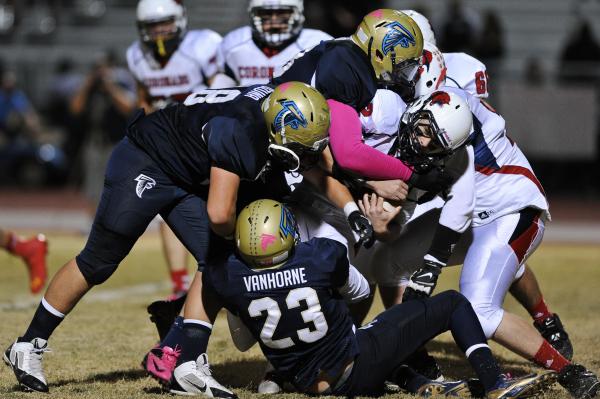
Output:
x=98 y=349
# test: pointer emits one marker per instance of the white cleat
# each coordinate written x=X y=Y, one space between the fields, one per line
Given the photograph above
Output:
x=195 y=378
x=25 y=359
x=270 y=384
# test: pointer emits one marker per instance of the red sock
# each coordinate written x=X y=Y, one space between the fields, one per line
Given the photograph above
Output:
x=180 y=280
x=540 y=311
x=550 y=358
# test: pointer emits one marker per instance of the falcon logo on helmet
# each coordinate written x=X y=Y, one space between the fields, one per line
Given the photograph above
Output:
x=290 y=115
x=287 y=224
x=266 y=233
x=393 y=43
x=397 y=35
x=305 y=111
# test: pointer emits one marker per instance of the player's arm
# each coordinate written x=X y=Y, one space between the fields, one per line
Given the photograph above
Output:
x=455 y=218
x=356 y=288
x=222 y=197
x=340 y=196
x=351 y=153
x=348 y=281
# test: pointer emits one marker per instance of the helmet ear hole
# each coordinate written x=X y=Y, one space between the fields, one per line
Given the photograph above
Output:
x=379 y=55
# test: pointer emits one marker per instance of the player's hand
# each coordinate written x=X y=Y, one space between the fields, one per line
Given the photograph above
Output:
x=381 y=217
x=394 y=190
x=362 y=226
x=435 y=180
x=423 y=281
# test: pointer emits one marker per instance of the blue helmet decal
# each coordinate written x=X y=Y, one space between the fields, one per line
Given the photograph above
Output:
x=290 y=115
x=287 y=223
x=397 y=34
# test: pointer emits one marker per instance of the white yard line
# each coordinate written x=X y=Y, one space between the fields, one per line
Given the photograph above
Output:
x=22 y=302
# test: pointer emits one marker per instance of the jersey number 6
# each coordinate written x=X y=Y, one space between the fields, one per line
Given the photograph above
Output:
x=311 y=314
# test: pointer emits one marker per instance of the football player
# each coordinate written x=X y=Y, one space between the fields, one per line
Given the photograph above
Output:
x=506 y=229
x=468 y=73
x=191 y=163
x=33 y=252
x=253 y=54
x=385 y=49
x=169 y=63
x=291 y=298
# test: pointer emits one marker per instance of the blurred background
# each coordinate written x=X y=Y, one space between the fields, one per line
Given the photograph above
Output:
x=542 y=56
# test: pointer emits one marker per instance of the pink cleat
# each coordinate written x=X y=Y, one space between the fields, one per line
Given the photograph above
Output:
x=160 y=363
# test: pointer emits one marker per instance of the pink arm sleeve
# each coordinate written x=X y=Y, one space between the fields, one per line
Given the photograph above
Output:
x=350 y=152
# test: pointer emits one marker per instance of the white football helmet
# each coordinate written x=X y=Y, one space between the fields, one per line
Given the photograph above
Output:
x=432 y=72
x=152 y=12
x=424 y=25
x=443 y=116
x=260 y=10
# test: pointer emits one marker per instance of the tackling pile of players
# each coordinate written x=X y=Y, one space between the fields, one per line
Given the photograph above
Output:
x=394 y=165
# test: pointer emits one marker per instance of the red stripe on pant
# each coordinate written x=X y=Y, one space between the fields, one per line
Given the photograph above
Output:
x=512 y=170
x=522 y=243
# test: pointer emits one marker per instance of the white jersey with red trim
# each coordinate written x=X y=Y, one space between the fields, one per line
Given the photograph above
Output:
x=467 y=73
x=381 y=118
x=504 y=180
x=187 y=70
x=243 y=61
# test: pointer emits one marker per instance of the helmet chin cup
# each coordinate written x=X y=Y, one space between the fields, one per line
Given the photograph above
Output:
x=284 y=157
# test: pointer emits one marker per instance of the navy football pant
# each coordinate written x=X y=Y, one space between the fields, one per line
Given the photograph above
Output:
x=135 y=191
x=399 y=331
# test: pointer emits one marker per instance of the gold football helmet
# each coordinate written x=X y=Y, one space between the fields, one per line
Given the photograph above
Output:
x=393 y=42
x=297 y=117
x=265 y=234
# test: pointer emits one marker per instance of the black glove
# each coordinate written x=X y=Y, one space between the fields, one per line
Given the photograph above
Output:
x=361 y=225
x=434 y=180
x=423 y=281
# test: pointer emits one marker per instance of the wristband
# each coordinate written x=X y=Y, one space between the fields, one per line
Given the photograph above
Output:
x=350 y=207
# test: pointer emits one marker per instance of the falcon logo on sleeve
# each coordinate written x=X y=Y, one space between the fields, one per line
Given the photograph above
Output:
x=143 y=183
x=290 y=115
x=396 y=35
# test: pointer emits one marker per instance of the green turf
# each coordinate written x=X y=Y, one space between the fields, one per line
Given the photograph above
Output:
x=97 y=350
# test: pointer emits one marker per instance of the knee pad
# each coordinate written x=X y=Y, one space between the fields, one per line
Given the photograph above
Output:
x=103 y=252
x=94 y=274
x=489 y=317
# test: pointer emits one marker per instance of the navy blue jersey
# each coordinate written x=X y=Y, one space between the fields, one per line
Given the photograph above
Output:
x=295 y=311
x=223 y=128
x=341 y=72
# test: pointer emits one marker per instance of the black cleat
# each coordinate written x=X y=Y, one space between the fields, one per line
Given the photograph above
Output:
x=425 y=364
x=163 y=313
x=553 y=331
x=25 y=359
x=579 y=381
